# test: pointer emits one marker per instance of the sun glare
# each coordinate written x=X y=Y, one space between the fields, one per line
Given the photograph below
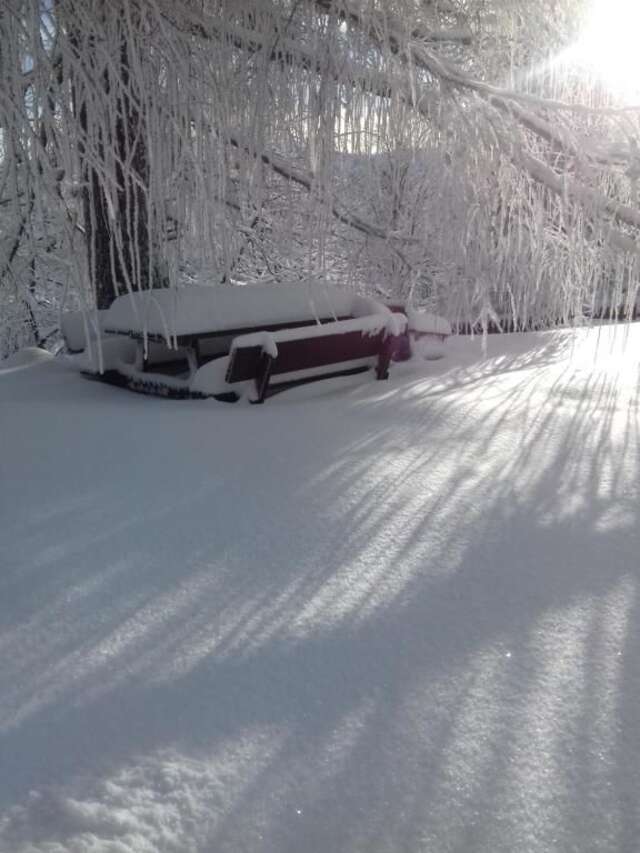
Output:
x=610 y=45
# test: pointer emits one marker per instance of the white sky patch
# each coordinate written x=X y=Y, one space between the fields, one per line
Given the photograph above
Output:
x=609 y=45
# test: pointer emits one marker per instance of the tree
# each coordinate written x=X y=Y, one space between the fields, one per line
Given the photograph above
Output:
x=108 y=106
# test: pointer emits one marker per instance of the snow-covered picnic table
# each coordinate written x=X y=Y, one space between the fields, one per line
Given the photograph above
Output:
x=292 y=332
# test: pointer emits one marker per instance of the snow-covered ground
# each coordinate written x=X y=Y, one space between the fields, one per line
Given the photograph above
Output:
x=366 y=616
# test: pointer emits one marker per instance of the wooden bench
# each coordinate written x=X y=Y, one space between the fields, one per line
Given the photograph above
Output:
x=301 y=355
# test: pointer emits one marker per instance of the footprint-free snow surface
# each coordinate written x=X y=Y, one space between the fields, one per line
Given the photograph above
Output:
x=366 y=616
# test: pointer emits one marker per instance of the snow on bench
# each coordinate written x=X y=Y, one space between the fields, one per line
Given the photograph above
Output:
x=297 y=355
x=198 y=310
x=425 y=335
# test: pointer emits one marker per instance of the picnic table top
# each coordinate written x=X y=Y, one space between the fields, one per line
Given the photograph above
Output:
x=199 y=310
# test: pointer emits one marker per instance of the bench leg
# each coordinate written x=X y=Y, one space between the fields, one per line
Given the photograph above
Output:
x=262 y=377
x=140 y=363
x=192 y=361
x=384 y=358
x=195 y=346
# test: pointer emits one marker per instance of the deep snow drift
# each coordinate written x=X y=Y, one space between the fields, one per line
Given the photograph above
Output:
x=397 y=616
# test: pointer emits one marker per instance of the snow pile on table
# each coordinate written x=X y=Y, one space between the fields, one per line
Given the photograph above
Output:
x=390 y=616
x=196 y=309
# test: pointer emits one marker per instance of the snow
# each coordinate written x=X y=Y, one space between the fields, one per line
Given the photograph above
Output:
x=430 y=349
x=362 y=306
x=72 y=325
x=27 y=357
x=75 y=324
x=198 y=308
x=374 y=616
x=210 y=378
x=113 y=353
x=424 y=321
x=265 y=340
x=371 y=325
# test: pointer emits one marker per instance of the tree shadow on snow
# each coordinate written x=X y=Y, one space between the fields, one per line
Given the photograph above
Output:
x=387 y=624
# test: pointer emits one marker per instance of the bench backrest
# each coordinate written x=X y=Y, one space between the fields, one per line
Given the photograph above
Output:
x=305 y=353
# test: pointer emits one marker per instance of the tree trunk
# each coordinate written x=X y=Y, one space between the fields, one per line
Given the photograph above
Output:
x=115 y=205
